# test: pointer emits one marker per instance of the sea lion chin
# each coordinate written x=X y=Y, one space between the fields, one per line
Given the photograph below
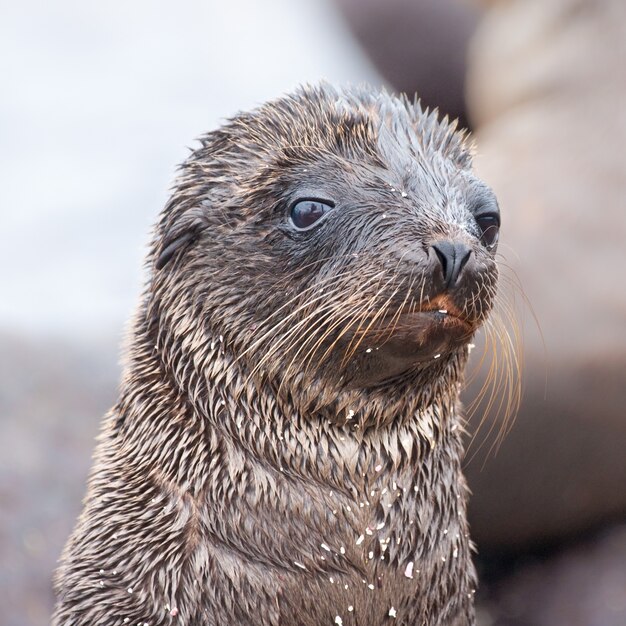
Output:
x=394 y=346
x=286 y=448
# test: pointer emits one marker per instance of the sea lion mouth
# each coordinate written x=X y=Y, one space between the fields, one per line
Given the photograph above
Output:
x=423 y=334
x=429 y=320
x=415 y=337
x=393 y=345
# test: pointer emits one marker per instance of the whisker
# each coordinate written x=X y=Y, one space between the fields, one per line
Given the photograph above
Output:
x=503 y=379
x=346 y=314
x=349 y=315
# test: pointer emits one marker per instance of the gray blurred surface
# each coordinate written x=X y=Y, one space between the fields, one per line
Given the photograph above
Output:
x=99 y=103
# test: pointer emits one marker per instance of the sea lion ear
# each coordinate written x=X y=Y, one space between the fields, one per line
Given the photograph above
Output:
x=178 y=236
x=168 y=251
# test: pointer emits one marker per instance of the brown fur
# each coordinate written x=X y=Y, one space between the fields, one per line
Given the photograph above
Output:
x=263 y=465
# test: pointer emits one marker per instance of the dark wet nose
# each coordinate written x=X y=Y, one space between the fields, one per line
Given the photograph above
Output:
x=452 y=255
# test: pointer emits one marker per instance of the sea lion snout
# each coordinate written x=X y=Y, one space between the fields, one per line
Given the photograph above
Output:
x=452 y=257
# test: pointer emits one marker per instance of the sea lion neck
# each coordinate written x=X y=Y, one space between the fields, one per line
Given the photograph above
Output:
x=266 y=491
x=363 y=430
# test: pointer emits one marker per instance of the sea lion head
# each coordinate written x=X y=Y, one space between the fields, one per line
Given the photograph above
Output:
x=335 y=244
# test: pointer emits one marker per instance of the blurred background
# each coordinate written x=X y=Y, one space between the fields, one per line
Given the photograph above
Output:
x=99 y=101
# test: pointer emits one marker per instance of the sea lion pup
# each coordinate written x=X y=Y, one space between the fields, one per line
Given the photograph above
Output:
x=287 y=444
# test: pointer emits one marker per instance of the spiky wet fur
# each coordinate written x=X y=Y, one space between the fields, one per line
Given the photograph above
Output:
x=245 y=476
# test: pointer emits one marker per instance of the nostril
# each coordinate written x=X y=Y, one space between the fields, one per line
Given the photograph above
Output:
x=444 y=258
x=453 y=256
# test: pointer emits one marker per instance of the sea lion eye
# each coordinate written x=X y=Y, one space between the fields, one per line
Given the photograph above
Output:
x=489 y=225
x=305 y=213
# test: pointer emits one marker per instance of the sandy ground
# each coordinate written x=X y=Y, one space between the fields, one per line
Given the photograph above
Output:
x=52 y=395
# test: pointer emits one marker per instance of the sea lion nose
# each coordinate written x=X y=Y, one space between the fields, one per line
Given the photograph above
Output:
x=452 y=256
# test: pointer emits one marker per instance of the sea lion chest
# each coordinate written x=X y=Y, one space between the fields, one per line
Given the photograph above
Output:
x=357 y=533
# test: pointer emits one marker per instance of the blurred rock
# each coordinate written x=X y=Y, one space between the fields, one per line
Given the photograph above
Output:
x=547 y=92
x=417 y=45
x=580 y=586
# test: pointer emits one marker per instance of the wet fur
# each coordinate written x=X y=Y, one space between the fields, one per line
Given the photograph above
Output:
x=257 y=455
